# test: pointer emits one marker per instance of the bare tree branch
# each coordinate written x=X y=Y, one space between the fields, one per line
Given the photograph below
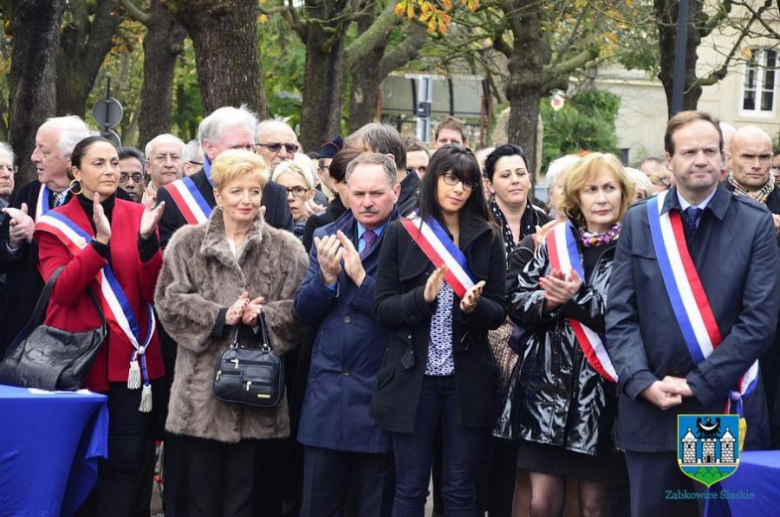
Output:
x=134 y=12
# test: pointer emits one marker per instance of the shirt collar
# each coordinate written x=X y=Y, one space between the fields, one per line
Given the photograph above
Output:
x=717 y=202
x=685 y=204
x=378 y=231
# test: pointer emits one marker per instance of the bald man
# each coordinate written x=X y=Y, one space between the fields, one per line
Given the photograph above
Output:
x=276 y=142
x=750 y=161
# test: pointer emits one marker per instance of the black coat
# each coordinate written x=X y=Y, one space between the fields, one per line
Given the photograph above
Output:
x=555 y=396
x=277 y=210
x=400 y=307
x=735 y=255
x=331 y=213
x=410 y=191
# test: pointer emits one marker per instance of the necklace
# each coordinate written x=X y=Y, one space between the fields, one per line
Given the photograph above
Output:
x=596 y=239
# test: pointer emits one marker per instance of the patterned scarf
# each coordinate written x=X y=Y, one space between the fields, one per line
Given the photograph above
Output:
x=759 y=195
x=589 y=239
x=527 y=224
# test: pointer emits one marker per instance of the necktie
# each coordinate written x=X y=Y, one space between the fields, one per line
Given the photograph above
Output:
x=369 y=236
x=694 y=216
x=59 y=197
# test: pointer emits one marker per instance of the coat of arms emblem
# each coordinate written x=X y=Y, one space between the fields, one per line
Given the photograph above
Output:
x=708 y=446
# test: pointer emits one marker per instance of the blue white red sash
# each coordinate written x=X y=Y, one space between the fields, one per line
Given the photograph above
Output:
x=565 y=257
x=115 y=303
x=439 y=248
x=42 y=205
x=188 y=198
x=686 y=293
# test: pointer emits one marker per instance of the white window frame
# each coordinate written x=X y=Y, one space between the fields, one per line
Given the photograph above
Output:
x=760 y=60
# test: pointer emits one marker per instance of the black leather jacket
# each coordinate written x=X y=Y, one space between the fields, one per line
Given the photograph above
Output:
x=555 y=397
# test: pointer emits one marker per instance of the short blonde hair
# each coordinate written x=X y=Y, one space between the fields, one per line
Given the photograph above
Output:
x=642 y=183
x=588 y=167
x=235 y=163
x=293 y=168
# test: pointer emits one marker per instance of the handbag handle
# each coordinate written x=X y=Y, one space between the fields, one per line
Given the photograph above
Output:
x=263 y=333
x=43 y=302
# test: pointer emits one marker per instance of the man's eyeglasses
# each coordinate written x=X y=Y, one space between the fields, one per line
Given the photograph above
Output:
x=163 y=158
x=137 y=177
x=452 y=180
x=276 y=147
x=13 y=169
x=296 y=191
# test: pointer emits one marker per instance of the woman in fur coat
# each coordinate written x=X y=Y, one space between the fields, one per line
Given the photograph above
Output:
x=215 y=276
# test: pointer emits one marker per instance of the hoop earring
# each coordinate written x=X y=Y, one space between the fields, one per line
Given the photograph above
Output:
x=73 y=188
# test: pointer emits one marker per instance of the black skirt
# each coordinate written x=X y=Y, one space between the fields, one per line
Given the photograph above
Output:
x=553 y=459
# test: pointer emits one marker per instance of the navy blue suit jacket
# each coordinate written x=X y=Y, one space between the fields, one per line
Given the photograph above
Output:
x=735 y=254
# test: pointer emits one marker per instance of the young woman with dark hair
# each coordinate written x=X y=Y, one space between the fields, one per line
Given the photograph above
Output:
x=440 y=287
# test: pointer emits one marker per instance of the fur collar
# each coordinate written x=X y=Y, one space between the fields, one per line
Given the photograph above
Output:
x=215 y=243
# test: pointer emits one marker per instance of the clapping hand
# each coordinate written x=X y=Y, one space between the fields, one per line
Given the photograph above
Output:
x=329 y=251
x=252 y=311
x=311 y=208
x=470 y=299
x=352 y=263
x=559 y=288
x=236 y=311
x=21 y=226
x=102 y=226
x=150 y=218
x=434 y=283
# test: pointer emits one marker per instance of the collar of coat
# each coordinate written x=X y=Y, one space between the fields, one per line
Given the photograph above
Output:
x=718 y=205
x=215 y=243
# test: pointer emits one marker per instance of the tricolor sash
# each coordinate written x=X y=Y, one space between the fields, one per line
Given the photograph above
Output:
x=439 y=248
x=42 y=205
x=686 y=293
x=565 y=257
x=119 y=312
x=189 y=200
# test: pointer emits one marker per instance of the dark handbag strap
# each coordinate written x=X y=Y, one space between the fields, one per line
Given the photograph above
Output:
x=263 y=333
x=43 y=302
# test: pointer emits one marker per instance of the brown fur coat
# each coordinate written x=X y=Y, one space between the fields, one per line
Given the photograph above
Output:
x=200 y=276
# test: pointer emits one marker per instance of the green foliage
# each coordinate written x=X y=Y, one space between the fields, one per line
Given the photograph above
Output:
x=283 y=57
x=585 y=123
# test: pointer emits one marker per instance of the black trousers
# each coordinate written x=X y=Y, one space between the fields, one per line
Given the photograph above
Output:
x=125 y=478
x=221 y=477
x=328 y=476
x=654 y=479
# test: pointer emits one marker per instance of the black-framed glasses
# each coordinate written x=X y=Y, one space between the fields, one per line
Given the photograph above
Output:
x=13 y=169
x=296 y=191
x=275 y=147
x=452 y=180
x=137 y=177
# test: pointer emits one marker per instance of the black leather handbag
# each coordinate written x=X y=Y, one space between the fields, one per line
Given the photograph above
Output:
x=253 y=376
x=49 y=358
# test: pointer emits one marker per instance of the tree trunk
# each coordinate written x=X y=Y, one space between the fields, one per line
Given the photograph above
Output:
x=36 y=29
x=83 y=46
x=324 y=79
x=524 y=130
x=666 y=12
x=224 y=37
x=162 y=45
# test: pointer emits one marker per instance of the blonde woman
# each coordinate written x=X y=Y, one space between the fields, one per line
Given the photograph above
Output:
x=299 y=183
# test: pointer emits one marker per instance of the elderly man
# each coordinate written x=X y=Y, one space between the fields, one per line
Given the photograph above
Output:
x=7 y=172
x=131 y=172
x=54 y=142
x=665 y=367
x=343 y=445
x=192 y=160
x=163 y=161
x=384 y=139
x=276 y=142
x=190 y=200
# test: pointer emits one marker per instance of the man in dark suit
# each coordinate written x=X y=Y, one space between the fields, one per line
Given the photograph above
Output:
x=731 y=244
x=54 y=143
x=226 y=128
x=345 y=450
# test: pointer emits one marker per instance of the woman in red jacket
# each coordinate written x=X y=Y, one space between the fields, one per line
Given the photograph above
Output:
x=110 y=246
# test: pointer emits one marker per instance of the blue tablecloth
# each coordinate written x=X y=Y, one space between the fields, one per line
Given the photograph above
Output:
x=754 y=489
x=50 y=443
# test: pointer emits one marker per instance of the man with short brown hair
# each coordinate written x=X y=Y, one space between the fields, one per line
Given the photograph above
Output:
x=450 y=131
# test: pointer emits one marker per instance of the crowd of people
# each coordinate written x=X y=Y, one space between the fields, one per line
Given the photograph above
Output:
x=439 y=327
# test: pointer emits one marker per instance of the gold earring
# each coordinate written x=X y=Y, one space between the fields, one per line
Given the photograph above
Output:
x=73 y=188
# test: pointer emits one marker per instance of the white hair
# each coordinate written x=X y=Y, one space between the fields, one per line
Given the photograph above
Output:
x=557 y=166
x=641 y=181
x=212 y=127
x=158 y=139
x=294 y=167
x=269 y=124
x=192 y=152
x=6 y=149
x=72 y=130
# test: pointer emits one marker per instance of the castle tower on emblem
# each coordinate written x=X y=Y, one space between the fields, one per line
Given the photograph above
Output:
x=689 y=447
x=727 y=442
x=707 y=450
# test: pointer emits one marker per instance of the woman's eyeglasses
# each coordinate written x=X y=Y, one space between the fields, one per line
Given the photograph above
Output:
x=296 y=191
x=452 y=180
